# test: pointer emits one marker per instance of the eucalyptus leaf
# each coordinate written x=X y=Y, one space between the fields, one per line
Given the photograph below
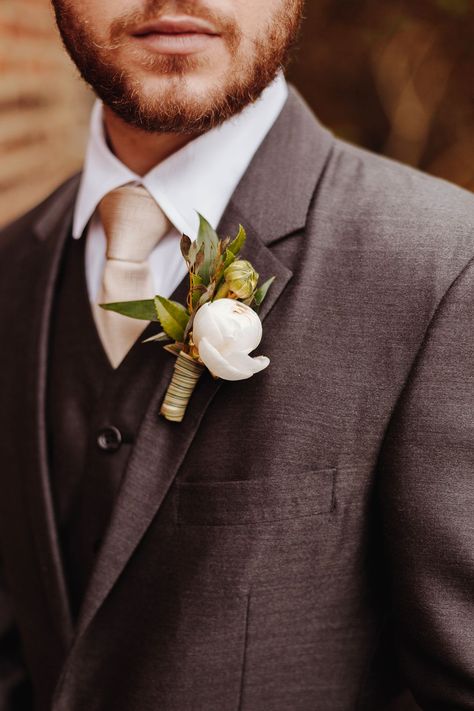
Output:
x=261 y=292
x=172 y=316
x=142 y=310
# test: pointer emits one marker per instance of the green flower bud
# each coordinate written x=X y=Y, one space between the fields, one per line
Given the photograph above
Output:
x=241 y=278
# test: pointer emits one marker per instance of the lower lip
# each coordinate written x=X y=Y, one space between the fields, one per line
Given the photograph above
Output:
x=185 y=43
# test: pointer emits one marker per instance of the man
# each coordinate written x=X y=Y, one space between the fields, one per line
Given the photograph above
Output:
x=304 y=539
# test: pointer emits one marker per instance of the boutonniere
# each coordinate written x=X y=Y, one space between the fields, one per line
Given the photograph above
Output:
x=218 y=327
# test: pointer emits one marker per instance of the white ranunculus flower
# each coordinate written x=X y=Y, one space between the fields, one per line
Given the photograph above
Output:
x=225 y=332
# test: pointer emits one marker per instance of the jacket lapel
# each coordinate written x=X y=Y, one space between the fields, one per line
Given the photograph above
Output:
x=272 y=201
x=40 y=268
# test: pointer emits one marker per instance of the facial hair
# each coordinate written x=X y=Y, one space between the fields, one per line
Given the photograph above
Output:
x=174 y=110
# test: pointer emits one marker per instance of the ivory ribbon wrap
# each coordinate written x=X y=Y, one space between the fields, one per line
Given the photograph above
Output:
x=185 y=377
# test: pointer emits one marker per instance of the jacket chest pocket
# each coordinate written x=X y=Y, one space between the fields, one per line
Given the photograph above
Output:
x=253 y=501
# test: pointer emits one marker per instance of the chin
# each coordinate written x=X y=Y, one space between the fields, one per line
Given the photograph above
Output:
x=189 y=88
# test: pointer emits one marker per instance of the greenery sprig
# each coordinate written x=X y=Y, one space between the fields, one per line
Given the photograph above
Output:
x=215 y=271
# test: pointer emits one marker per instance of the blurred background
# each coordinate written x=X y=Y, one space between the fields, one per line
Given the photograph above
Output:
x=395 y=76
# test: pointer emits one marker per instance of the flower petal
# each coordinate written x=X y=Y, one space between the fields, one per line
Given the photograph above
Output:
x=225 y=332
x=245 y=338
x=229 y=325
x=240 y=326
x=244 y=363
x=218 y=366
x=206 y=324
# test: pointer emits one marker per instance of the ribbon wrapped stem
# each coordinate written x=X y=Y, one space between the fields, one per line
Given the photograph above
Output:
x=186 y=374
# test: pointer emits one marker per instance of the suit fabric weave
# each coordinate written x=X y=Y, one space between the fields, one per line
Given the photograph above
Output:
x=304 y=539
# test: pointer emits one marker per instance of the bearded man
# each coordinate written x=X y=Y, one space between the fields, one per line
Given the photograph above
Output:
x=304 y=539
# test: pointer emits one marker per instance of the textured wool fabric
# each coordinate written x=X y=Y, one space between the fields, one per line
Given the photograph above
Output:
x=303 y=540
x=133 y=223
x=85 y=396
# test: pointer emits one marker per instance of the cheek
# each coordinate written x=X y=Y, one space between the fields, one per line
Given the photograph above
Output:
x=254 y=17
x=98 y=16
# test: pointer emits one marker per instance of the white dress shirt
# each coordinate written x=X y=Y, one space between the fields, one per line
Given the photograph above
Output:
x=201 y=177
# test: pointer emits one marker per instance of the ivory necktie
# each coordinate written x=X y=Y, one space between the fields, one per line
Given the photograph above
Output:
x=133 y=224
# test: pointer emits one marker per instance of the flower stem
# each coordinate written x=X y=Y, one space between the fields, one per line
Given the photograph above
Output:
x=186 y=374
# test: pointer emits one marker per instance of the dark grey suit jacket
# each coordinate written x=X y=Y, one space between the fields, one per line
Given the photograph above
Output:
x=304 y=540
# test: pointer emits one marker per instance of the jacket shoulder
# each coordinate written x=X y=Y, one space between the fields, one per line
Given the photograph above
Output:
x=11 y=234
x=397 y=207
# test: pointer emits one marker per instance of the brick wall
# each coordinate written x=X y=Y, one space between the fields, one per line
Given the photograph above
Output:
x=44 y=107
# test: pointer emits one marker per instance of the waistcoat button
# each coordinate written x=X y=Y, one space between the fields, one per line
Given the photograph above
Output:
x=109 y=439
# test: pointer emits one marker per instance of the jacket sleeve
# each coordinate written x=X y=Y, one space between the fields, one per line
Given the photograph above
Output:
x=426 y=498
x=15 y=688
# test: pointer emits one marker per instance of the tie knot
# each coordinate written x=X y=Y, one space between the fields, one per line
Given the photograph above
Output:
x=133 y=223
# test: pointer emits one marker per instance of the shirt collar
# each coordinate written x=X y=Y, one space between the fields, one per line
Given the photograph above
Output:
x=200 y=177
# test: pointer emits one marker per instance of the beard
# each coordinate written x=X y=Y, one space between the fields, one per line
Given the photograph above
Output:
x=176 y=108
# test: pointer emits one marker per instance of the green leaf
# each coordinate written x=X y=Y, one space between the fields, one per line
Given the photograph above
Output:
x=224 y=244
x=204 y=298
x=160 y=337
x=196 y=280
x=229 y=257
x=236 y=245
x=261 y=292
x=143 y=310
x=172 y=316
x=207 y=233
x=208 y=242
x=197 y=287
x=222 y=291
x=233 y=249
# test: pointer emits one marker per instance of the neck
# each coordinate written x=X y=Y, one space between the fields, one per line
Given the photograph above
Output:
x=137 y=149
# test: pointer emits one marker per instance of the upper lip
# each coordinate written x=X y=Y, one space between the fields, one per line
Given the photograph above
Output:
x=175 y=25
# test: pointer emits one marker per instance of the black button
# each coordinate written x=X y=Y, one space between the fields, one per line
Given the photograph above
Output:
x=109 y=439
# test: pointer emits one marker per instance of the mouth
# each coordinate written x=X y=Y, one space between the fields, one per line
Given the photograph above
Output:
x=175 y=35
